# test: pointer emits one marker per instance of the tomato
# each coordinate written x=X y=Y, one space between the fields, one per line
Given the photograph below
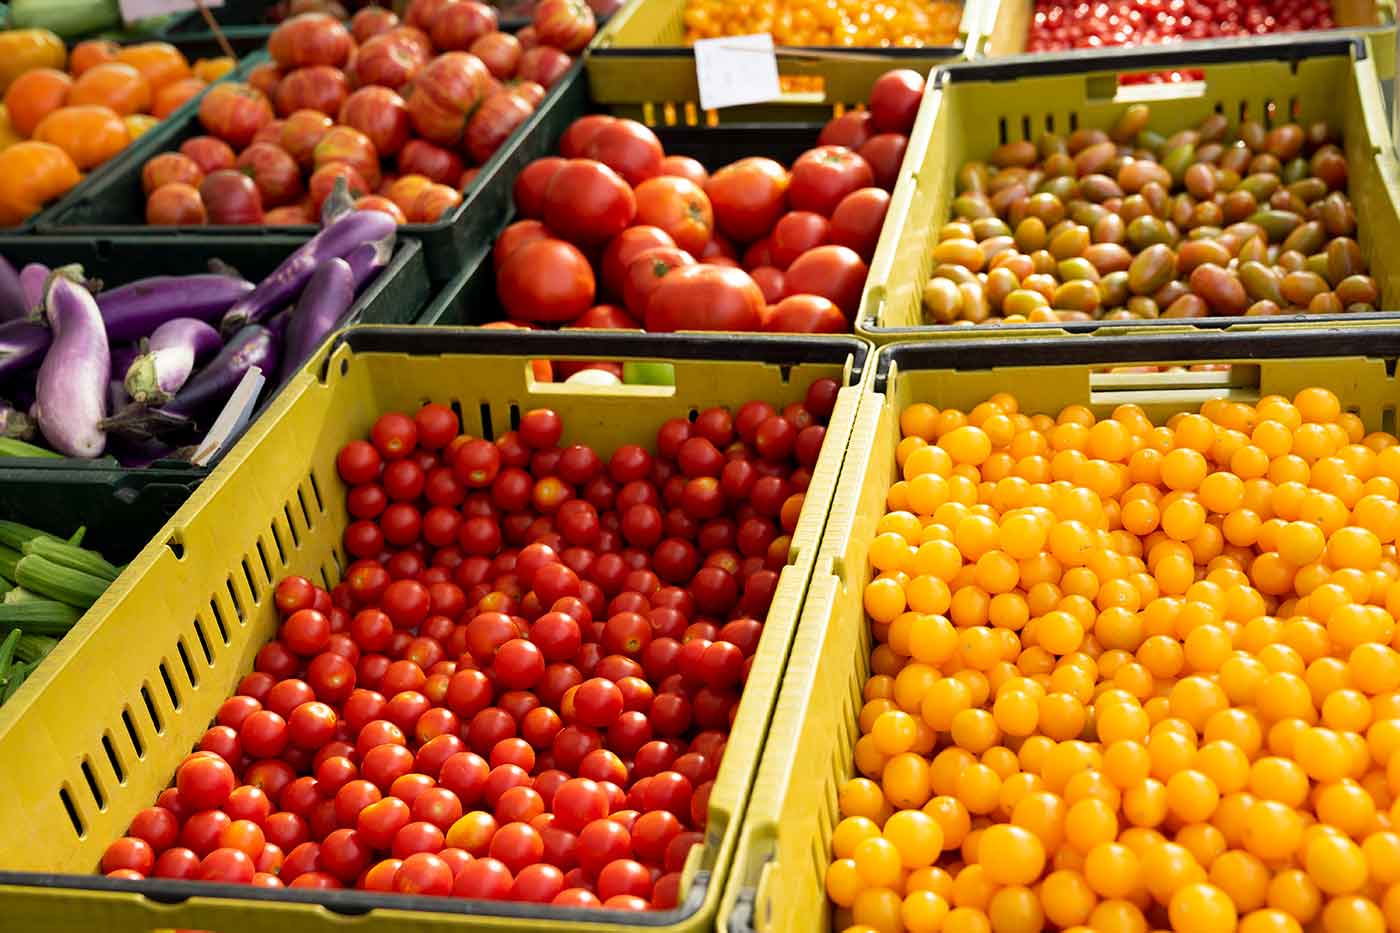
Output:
x=628 y=148
x=646 y=273
x=796 y=233
x=587 y=202
x=805 y=314
x=629 y=244
x=624 y=876
x=770 y=281
x=705 y=297
x=501 y=53
x=418 y=157
x=208 y=153
x=546 y=280
x=444 y=95
x=600 y=842
x=748 y=197
x=492 y=122
x=230 y=866
x=574 y=143
x=457 y=25
x=423 y=873
x=543 y=65
x=391 y=59
x=310 y=39
x=531 y=183
x=858 y=219
x=233 y=112
x=231 y=197
x=129 y=854
x=894 y=101
x=205 y=781
x=833 y=272
x=885 y=154
x=567 y=25
x=485 y=878
x=851 y=130
x=680 y=208
x=381 y=115
x=821 y=177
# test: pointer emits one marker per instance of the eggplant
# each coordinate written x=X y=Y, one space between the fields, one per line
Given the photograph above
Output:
x=168 y=358
x=367 y=259
x=12 y=304
x=117 y=399
x=324 y=303
x=22 y=346
x=32 y=279
x=336 y=240
x=252 y=346
x=140 y=453
x=136 y=310
x=71 y=391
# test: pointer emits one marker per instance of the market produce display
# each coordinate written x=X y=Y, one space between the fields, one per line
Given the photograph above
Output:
x=57 y=124
x=616 y=234
x=523 y=686
x=1128 y=675
x=885 y=24
x=405 y=113
x=47 y=584
x=1072 y=24
x=1134 y=225
x=139 y=371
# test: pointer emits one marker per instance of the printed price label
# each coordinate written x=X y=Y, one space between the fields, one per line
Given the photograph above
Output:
x=736 y=70
x=133 y=10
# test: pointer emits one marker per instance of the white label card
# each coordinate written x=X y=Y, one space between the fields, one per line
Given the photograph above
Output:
x=235 y=415
x=736 y=70
x=133 y=10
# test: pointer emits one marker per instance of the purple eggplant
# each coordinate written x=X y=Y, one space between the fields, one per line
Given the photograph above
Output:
x=140 y=453
x=252 y=346
x=71 y=391
x=32 y=279
x=12 y=306
x=336 y=240
x=324 y=302
x=368 y=259
x=22 y=346
x=168 y=359
x=136 y=310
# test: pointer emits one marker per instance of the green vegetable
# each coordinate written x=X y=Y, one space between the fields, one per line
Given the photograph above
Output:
x=7 y=650
x=69 y=18
x=76 y=539
x=39 y=616
x=34 y=647
x=8 y=558
x=20 y=595
x=10 y=447
x=15 y=536
x=66 y=555
x=15 y=676
x=55 y=581
x=648 y=374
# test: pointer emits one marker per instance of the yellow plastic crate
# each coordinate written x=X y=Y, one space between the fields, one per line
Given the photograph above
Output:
x=1010 y=27
x=778 y=880
x=640 y=63
x=98 y=734
x=971 y=109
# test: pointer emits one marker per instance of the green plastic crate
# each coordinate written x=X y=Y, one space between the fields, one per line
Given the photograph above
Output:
x=640 y=64
x=778 y=881
x=969 y=110
x=102 y=731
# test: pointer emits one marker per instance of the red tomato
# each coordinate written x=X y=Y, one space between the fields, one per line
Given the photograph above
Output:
x=501 y=53
x=606 y=317
x=770 y=280
x=858 y=219
x=310 y=39
x=628 y=148
x=567 y=25
x=851 y=130
x=684 y=167
x=679 y=207
x=233 y=112
x=885 y=153
x=515 y=236
x=894 y=101
x=587 y=202
x=795 y=233
x=531 y=183
x=821 y=177
x=546 y=280
x=646 y=273
x=231 y=197
x=317 y=87
x=458 y=25
x=625 y=247
x=580 y=133
x=493 y=121
x=705 y=297
x=834 y=272
x=444 y=95
x=381 y=115
x=748 y=197
x=543 y=64
x=420 y=157
x=276 y=174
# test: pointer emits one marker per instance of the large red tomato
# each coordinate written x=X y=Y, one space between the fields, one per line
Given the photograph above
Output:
x=628 y=148
x=579 y=134
x=805 y=314
x=349 y=145
x=645 y=272
x=423 y=158
x=423 y=13
x=531 y=183
x=370 y=22
x=894 y=101
x=546 y=280
x=276 y=173
x=381 y=115
x=606 y=317
x=301 y=132
x=680 y=208
x=885 y=153
x=543 y=64
x=851 y=130
x=460 y=24
x=494 y=121
x=230 y=197
x=834 y=272
x=444 y=94
x=748 y=197
x=794 y=234
x=587 y=202
x=515 y=236
x=315 y=87
x=310 y=39
x=821 y=177
x=705 y=297
x=390 y=60
x=500 y=52
x=685 y=167
x=235 y=112
x=857 y=220
x=567 y=25
x=626 y=246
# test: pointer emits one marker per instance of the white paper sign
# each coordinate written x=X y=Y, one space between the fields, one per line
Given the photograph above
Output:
x=736 y=70
x=235 y=415
x=133 y=10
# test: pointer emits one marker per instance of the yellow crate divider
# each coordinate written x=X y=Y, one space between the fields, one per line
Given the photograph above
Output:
x=128 y=693
x=640 y=61
x=778 y=880
x=970 y=110
x=1009 y=28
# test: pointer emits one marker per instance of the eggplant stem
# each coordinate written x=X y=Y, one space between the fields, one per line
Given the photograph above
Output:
x=142 y=422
